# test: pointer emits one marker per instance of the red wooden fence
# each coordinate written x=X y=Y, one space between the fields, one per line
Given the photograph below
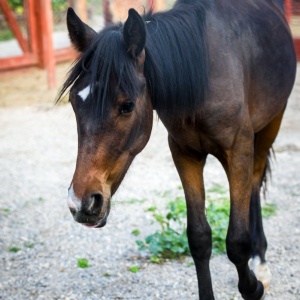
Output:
x=37 y=47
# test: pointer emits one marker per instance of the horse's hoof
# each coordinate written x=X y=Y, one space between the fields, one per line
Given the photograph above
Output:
x=261 y=271
x=259 y=294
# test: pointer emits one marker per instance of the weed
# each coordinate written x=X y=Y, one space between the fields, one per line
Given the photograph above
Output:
x=135 y=232
x=29 y=245
x=133 y=201
x=83 y=263
x=151 y=208
x=171 y=240
x=217 y=214
x=134 y=269
x=268 y=210
x=14 y=249
x=34 y=201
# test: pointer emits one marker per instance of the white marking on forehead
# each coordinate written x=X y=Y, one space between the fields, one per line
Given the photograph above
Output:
x=84 y=93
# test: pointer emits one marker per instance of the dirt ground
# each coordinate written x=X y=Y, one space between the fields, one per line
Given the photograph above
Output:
x=37 y=159
x=29 y=87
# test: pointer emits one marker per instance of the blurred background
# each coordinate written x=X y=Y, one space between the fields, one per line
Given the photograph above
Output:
x=33 y=32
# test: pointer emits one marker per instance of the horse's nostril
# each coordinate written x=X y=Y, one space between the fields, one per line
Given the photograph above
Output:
x=73 y=211
x=96 y=203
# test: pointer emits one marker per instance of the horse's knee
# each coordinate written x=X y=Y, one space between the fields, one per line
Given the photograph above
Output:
x=200 y=241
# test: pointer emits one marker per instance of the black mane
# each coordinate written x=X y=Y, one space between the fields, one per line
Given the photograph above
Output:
x=176 y=58
x=175 y=65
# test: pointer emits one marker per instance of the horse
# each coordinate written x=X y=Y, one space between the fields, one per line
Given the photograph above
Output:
x=218 y=73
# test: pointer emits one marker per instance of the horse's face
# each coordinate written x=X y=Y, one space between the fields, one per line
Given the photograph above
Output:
x=108 y=143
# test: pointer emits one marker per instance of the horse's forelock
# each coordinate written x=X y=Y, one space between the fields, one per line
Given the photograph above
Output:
x=109 y=68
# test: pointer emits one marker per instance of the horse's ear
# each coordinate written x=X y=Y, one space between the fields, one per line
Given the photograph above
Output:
x=134 y=34
x=81 y=35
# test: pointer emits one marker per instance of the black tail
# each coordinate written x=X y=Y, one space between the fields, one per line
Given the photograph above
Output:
x=267 y=171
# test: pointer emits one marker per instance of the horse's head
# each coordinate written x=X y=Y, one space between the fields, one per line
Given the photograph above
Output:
x=113 y=112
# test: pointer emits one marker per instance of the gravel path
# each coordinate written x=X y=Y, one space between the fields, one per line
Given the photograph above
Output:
x=37 y=160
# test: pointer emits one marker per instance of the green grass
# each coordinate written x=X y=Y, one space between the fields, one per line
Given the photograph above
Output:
x=132 y=201
x=83 y=263
x=14 y=249
x=170 y=241
x=34 y=201
x=29 y=245
x=6 y=35
x=135 y=232
x=134 y=269
x=268 y=210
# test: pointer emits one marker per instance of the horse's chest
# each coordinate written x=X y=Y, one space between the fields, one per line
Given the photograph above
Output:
x=197 y=141
x=206 y=135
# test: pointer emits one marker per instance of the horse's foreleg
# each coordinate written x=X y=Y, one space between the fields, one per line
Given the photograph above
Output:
x=238 y=163
x=198 y=230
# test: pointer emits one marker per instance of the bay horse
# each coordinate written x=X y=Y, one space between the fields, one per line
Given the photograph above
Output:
x=218 y=73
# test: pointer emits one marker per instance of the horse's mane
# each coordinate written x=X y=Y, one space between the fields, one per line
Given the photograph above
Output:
x=175 y=65
x=176 y=58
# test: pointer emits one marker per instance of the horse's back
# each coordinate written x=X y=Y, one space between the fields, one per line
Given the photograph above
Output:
x=251 y=47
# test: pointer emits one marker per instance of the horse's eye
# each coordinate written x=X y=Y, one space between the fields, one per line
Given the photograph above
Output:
x=126 y=107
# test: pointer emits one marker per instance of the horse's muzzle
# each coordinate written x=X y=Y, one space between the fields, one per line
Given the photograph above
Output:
x=91 y=211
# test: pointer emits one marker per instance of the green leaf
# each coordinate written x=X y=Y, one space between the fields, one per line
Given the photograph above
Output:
x=269 y=210
x=171 y=240
x=135 y=232
x=141 y=245
x=14 y=249
x=82 y=263
x=134 y=269
x=151 y=208
x=159 y=218
x=29 y=245
x=155 y=259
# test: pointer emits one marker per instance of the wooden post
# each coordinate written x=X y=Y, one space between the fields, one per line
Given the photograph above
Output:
x=156 y=5
x=80 y=8
x=13 y=24
x=288 y=10
x=160 y=5
x=44 y=19
x=106 y=12
x=151 y=5
x=31 y=24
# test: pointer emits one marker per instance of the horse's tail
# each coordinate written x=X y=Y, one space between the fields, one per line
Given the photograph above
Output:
x=267 y=171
